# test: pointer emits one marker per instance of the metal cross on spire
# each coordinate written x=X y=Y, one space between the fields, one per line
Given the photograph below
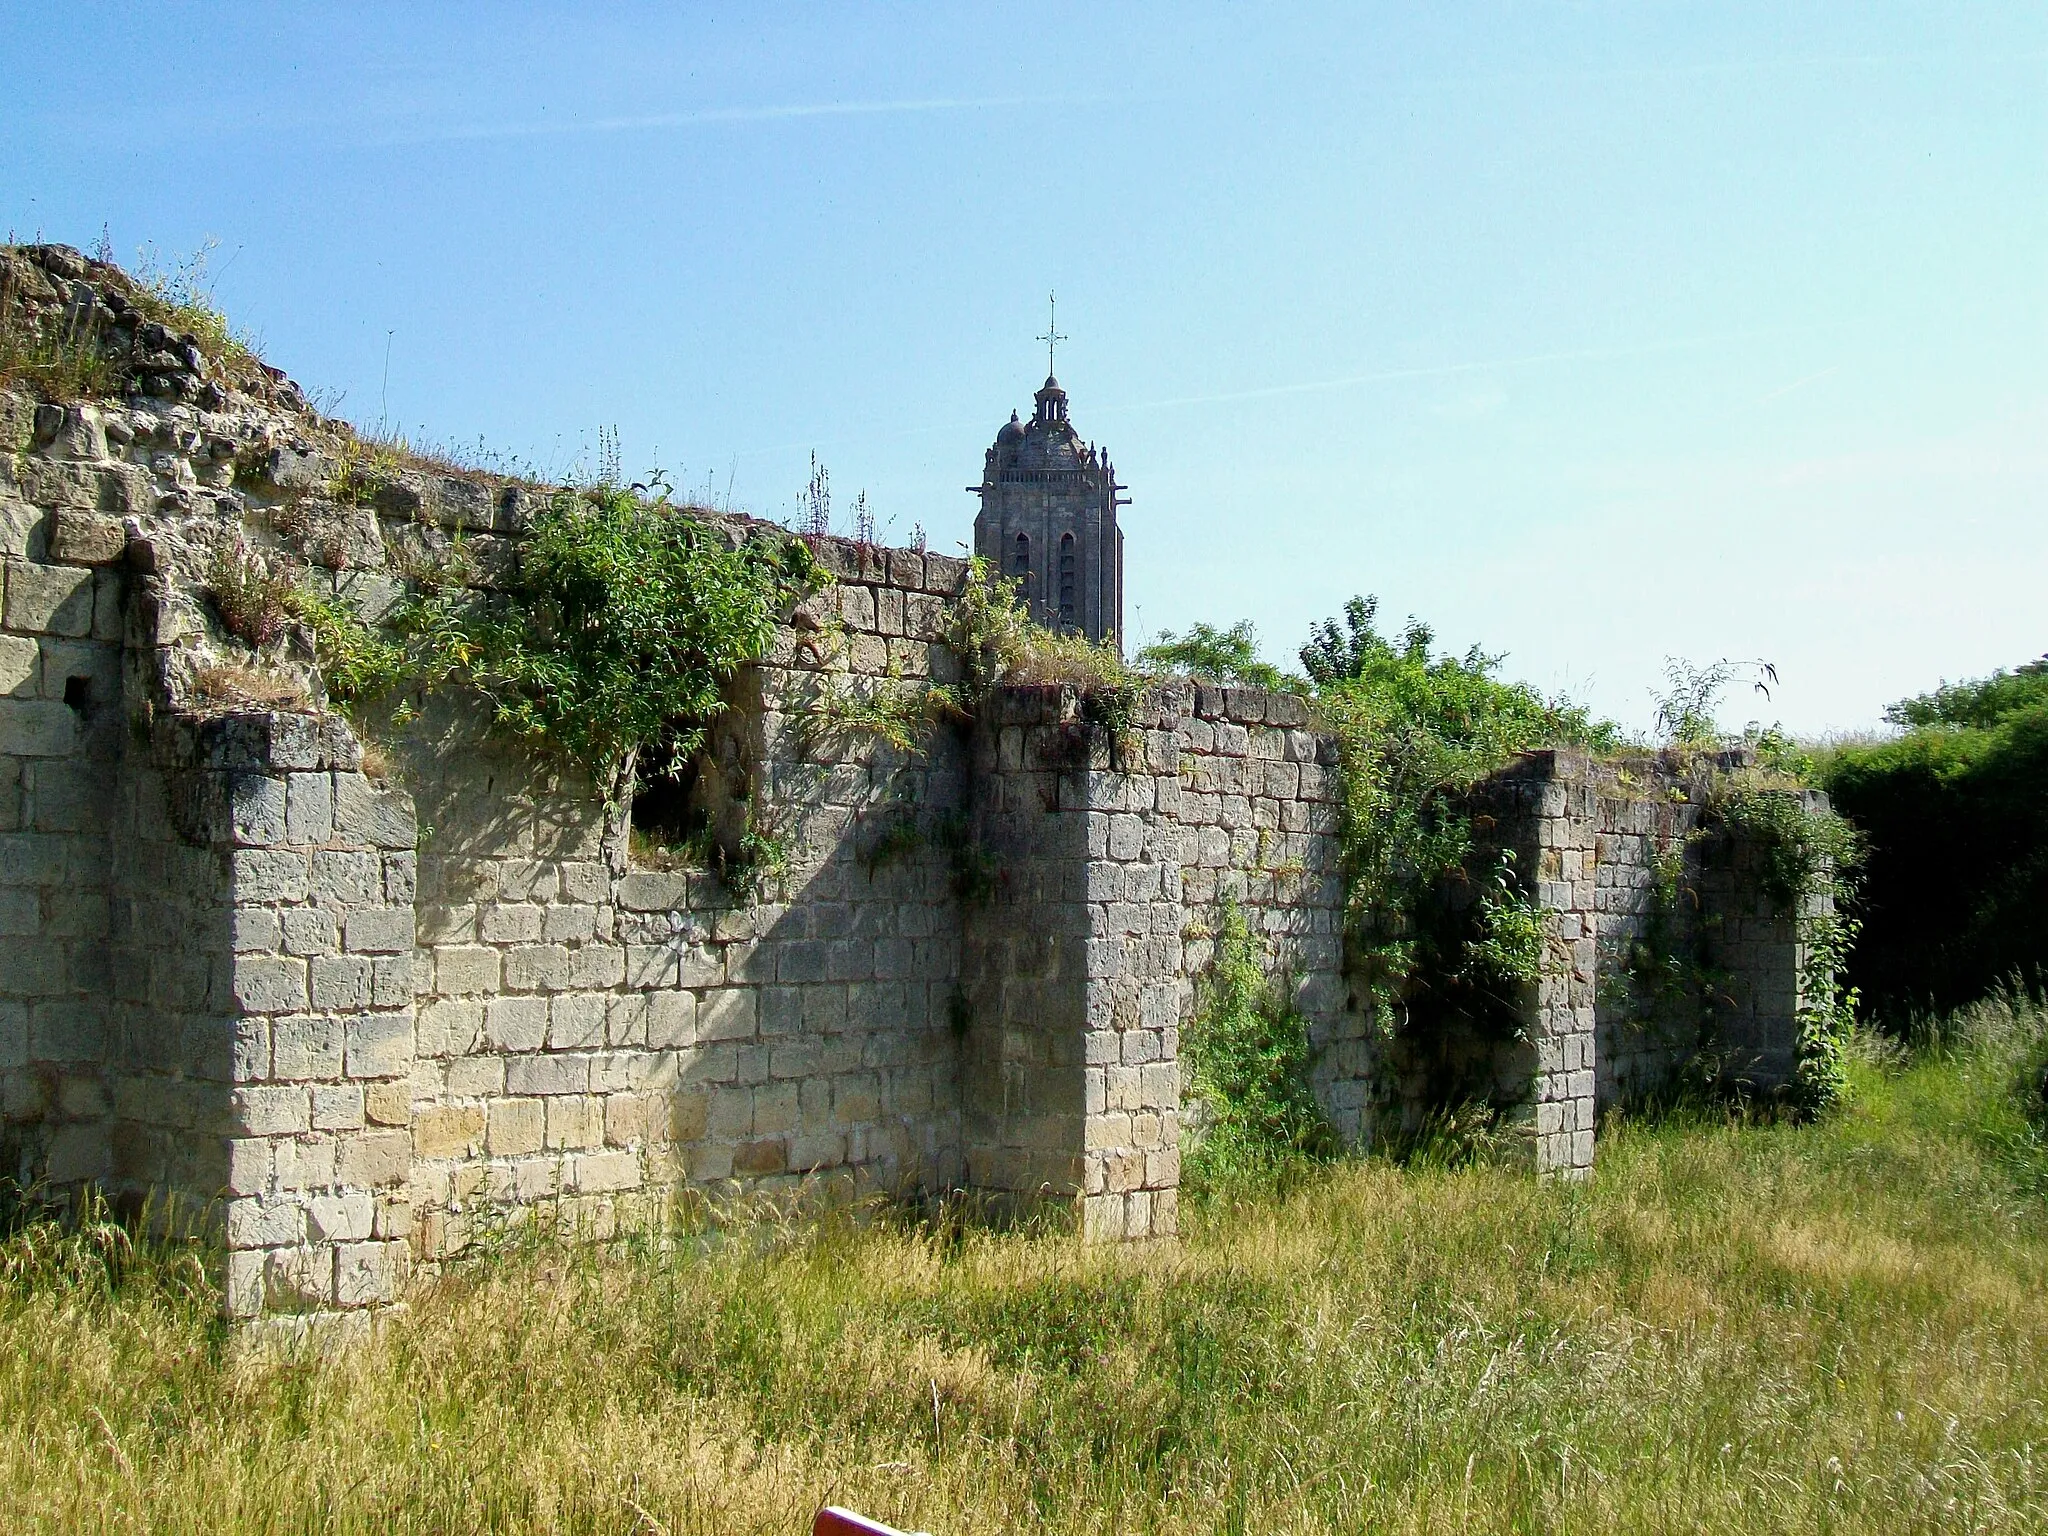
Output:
x=1052 y=336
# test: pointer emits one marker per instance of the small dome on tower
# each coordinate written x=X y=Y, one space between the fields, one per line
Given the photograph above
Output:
x=1013 y=430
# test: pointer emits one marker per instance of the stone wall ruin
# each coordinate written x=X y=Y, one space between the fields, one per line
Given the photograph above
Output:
x=360 y=1011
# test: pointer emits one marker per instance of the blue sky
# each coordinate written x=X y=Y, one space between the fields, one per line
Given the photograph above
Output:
x=1593 y=333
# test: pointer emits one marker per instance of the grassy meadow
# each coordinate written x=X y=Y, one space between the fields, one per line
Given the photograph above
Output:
x=1840 y=1326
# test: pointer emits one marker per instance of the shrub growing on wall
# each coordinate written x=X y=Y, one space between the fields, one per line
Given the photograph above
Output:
x=1217 y=655
x=1415 y=729
x=616 y=636
x=610 y=644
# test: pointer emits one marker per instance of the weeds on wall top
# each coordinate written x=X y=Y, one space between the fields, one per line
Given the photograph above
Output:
x=1220 y=655
x=70 y=350
x=992 y=633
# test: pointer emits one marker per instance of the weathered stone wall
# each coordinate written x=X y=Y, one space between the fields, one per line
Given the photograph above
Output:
x=594 y=1034
x=61 y=728
x=1756 y=952
x=355 y=1007
x=1076 y=984
x=1259 y=805
x=1117 y=855
x=1666 y=956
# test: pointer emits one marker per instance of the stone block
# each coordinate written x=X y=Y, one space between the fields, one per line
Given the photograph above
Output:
x=305 y=1046
x=380 y=930
x=510 y=923
x=516 y=1023
x=578 y=1021
x=537 y=968
x=387 y=1104
x=37 y=728
x=264 y=1222
x=653 y=891
x=271 y=1111
x=757 y=1159
x=465 y=970
x=340 y=1218
x=671 y=1019
x=263 y=875
x=516 y=1127
x=304 y=931
x=248 y=1165
x=383 y=818
x=569 y=923
x=447 y=1130
x=48 y=599
x=341 y=983
x=574 y=1121
x=392 y=980
x=79 y=1154
x=345 y=878
x=309 y=807
x=730 y=1013
x=597 y=966
x=476 y=1077
x=269 y=983
x=603 y=1172
x=379 y=1045
x=20 y=667
x=449 y=1026
x=368 y=1273
x=547 y=1075
x=1102 y=1219
x=337 y=1107
x=85 y=538
x=371 y=1159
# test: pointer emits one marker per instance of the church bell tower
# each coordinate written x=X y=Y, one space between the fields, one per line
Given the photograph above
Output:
x=1048 y=518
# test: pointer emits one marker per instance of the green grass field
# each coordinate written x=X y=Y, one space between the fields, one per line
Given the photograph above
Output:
x=1830 y=1327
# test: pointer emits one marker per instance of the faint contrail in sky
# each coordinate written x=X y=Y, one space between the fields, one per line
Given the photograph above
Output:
x=713 y=116
x=1347 y=381
x=1441 y=370
x=1786 y=389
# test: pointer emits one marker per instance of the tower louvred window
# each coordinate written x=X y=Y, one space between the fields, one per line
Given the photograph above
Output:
x=1066 y=580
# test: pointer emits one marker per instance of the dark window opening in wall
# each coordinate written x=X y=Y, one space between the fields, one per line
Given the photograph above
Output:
x=1022 y=567
x=78 y=693
x=1066 y=581
x=670 y=826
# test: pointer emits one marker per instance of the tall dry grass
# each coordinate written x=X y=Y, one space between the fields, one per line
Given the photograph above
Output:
x=1837 y=1327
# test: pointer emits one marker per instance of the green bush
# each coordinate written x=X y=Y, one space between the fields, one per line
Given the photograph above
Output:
x=1217 y=655
x=1957 y=824
x=1250 y=1058
x=1414 y=731
x=616 y=636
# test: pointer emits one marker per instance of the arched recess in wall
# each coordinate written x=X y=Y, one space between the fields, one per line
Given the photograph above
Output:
x=1021 y=561
x=1068 y=614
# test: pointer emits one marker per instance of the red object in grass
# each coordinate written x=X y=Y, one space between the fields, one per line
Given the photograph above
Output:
x=833 y=1521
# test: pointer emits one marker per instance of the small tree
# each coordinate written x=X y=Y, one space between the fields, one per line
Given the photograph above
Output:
x=1216 y=655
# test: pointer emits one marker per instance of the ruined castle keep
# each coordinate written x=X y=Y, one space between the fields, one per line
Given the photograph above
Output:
x=359 y=1003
